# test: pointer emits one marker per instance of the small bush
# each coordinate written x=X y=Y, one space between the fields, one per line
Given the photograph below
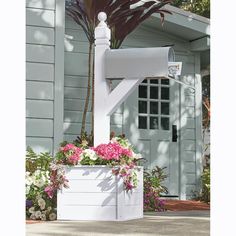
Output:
x=204 y=194
x=206 y=186
x=153 y=187
x=38 y=205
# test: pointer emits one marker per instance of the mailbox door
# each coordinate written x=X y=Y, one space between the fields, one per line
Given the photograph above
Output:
x=151 y=121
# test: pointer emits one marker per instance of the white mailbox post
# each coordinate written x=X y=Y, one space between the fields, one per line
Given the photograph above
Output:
x=131 y=65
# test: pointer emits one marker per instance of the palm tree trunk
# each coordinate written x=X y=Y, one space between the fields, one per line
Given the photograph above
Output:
x=90 y=73
x=92 y=106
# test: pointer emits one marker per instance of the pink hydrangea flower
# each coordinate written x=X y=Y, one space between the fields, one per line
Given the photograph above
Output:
x=72 y=153
x=73 y=159
x=112 y=150
x=127 y=152
x=68 y=147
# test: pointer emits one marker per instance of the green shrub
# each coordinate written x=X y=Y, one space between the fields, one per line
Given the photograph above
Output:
x=206 y=186
x=153 y=188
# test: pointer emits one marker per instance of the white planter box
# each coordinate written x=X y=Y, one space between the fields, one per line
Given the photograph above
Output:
x=96 y=194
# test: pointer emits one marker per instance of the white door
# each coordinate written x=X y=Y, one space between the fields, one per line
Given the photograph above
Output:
x=151 y=118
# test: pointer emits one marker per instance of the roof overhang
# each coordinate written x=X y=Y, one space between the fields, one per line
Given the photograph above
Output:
x=185 y=25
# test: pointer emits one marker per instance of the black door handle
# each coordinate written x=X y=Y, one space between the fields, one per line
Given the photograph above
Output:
x=174 y=133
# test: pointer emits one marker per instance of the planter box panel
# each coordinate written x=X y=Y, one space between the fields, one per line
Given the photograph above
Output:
x=133 y=212
x=95 y=194
x=89 y=173
x=87 y=213
x=133 y=199
x=90 y=186
x=91 y=199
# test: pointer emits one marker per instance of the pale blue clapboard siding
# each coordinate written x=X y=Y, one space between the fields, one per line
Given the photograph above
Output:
x=190 y=111
x=188 y=145
x=42 y=4
x=188 y=130
x=190 y=100
x=76 y=116
x=75 y=34
x=39 y=71
x=40 y=17
x=39 y=90
x=76 y=46
x=40 y=41
x=75 y=104
x=71 y=137
x=190 y=190
x=189 y=156
x=189 y=122
x=70 y=92
x=76 y=81
x=189 y=134
x=78 y=105
x=39 y=53
x=191 y=177
x=74 y=128
x=39 y=144
x=190 y=166
x=39 y=35
x=39 y=109
x=72 y=60
x=39 y=127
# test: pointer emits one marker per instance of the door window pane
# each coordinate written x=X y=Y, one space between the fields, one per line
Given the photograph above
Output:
x=153 y=122
x=154 y=107
x=165 y=108
x=142 y=91
x=165 y=81
x=165 y=93
x=154 y=81
x=142 y=107
x=154 y=92
x=165 y=123
x=142 y=122
x=144 y=81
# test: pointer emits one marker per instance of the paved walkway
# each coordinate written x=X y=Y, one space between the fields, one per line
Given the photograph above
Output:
x=170 y=223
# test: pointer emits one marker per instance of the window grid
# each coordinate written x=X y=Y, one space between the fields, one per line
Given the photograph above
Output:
x=148 y=84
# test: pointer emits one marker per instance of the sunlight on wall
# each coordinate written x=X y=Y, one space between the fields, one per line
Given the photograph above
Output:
x=68 y=46
x=163 y=147
x=41 y=4
x=41 y=37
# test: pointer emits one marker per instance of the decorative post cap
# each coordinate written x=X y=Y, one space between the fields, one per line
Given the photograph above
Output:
x=102 y=16
x=102 y=32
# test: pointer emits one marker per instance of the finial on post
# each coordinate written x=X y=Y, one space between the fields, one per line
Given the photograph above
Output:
x=102 y=32
x=102 y=16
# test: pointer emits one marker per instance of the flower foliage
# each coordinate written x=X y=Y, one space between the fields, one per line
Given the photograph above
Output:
x=153 y=188
x=38 y=205
x=118 y=153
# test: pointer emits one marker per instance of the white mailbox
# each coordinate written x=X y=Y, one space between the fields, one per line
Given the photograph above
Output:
x=138 y=62
x=132 y=66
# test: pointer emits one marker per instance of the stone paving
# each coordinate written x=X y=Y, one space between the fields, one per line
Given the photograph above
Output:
x=170 y=223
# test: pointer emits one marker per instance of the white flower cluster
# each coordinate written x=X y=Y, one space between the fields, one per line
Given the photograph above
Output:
x=42 y=215
x=38 y=178
x=90 y=154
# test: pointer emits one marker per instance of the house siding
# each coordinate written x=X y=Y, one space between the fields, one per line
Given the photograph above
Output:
x=41 y=51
